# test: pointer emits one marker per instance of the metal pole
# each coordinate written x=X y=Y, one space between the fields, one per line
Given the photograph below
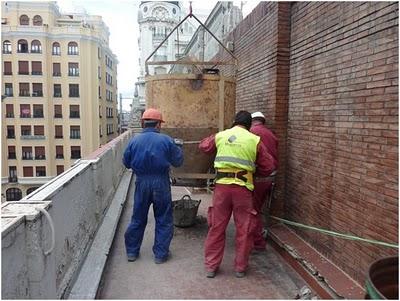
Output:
x=120 y=113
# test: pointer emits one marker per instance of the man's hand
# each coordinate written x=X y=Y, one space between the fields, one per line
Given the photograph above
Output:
x=178 y=141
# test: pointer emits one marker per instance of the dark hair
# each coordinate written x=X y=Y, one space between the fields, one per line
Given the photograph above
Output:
x=149 y=123
x=243 y=118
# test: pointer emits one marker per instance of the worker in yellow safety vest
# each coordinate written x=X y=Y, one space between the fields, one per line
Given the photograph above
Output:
x=239 y=154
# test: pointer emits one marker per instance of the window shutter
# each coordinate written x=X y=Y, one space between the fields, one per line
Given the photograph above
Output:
x=28 y=171
x=7 y=68
x=23 y=67
x=36 y=67
x=38 y=130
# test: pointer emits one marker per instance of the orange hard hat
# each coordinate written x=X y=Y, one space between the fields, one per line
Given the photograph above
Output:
x=152 y=114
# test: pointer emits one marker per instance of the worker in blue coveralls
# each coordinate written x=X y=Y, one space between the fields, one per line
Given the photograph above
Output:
x=150 y=155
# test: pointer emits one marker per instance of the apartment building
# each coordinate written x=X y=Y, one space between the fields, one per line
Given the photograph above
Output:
x=59 y=92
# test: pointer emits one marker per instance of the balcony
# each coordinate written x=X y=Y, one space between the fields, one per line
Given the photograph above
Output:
x=36 y=73
x=9 y=115
x=27 y=157
x=13 y=179
x=24 y=93
x=37 y=93
x=25 y=116
x=96 y=195
x=33 y=137
x=40 y=157
x=75 y=137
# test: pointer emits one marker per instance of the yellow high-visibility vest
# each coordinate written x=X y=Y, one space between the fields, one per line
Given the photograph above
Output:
x=236 y=151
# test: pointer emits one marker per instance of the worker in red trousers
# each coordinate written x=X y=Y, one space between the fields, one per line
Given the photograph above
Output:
x=238 y=152
x=262 y=186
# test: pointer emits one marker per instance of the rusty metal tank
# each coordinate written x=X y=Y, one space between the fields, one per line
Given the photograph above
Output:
x=193 y=107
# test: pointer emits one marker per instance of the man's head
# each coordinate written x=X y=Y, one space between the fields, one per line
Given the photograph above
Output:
x=152 y=118
x=243 y=118
x=258 y=117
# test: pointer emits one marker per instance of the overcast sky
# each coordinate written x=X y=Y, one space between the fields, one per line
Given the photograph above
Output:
x=121 y=19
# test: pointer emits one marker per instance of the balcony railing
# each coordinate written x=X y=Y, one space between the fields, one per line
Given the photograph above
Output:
x=76 y=156
x=10 y=115
x=24 y=93
x=37 y=73
x=57 y=95
x=23 y=72
x=40 y=157
x=33 y=137
x=56 y=73
x=75 y=137
x=58 y=136
x=25 y=116
x=12 y=156
x=13 y=179
x=38 y=115
x=9 y=94
x=74 y=115
x=28 y=157
x=59 y=156
x=37 y=93
x=7 y=73
x=11 y=136
x=57 y=115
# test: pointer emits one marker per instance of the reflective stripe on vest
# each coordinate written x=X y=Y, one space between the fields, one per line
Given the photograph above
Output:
x=236 y=148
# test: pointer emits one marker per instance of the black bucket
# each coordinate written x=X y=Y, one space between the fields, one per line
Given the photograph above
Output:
x=383 y=279
x=185 y=211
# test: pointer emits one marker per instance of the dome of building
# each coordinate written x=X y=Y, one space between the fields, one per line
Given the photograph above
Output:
x=172 y=2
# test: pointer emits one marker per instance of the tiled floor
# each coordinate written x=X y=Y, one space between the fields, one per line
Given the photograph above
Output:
x=183 y=276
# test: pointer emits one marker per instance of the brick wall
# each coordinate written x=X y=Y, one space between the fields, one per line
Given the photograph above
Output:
x=261 y=45
x=333 y=102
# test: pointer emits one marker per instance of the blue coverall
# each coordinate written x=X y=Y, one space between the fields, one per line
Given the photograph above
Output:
x=150 y=155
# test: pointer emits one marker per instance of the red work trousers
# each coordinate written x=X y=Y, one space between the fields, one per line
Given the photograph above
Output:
x=228 y=199
x=260 y=194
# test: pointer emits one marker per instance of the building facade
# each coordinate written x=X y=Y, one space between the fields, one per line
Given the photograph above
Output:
x=156 y=20
x=59 y=92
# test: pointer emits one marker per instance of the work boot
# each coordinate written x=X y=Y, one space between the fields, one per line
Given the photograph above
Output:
x=132 y=258
x=211 y=274
x=240 y=274
x=161 y=260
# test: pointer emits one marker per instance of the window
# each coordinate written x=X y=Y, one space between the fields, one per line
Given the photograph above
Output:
x=99 y=92
x=13 y=194
x=38 y=130
x=27 y=153
x=60 y=169
x=73 y=90
x=8 y=89
x=36 y=68
x=40 y=153
x=7 y=68
x=57 y=90
x=75 y=152
x=75 y=132
x=57 y=111
x=11 y=152
x=56 y=49
x=59 y=152
x=56 y=69
x=74 y=111
x=24 y=20
x=36 y=47
x=160 y=70
x=7 y=47
x=40 y=171
x=73 y=69
x=23 y=67
x=24 y=89
x=38 y=111
x=98 y=52
x=30 y=190
x=27 y=171
x=26 y=130
x=9 y=110
x=23 y=46
x=37 y=89
x=25 y=110
x=37 y=21
x=99 y=72
x=73 y=48
x=10 y=132
x=59 y=131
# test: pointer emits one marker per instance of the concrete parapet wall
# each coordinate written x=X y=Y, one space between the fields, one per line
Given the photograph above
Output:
x=76 y=201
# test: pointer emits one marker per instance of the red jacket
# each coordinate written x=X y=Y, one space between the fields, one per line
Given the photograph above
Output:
x=268 y=139
x=264 y=161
